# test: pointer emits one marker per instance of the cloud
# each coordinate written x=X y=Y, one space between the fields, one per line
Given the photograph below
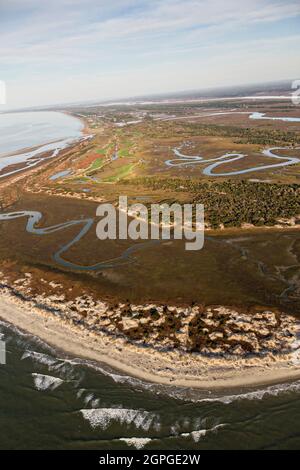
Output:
x=96 y=38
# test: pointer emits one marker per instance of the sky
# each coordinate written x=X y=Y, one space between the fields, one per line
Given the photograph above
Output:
x=59 y=51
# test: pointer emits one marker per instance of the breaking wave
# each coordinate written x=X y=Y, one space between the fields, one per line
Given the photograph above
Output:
x=104 y=417
x=197 y=435
x=46 y=382
x=273 y=390
x=137 y=442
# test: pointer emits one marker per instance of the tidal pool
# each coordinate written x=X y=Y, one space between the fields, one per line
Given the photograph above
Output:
x=60 y=174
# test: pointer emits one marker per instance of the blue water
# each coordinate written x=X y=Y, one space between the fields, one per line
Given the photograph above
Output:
x=26 y=137
x=34 y=217
x=60 y=174
x=19 y=131
x=191 y=160
x=272 y=118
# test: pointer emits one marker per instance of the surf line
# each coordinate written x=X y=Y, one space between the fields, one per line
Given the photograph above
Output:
x=34 y=217
x=186 y=160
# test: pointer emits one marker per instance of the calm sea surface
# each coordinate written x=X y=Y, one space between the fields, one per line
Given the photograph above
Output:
x=19 y=131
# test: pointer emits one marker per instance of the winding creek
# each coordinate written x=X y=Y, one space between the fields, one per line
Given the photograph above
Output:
x=127 y=256
x=34 y=217
x=255 y=116
x=191 y=160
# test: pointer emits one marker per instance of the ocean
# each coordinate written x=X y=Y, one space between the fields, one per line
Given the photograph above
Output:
x=49 y=401
x=25 y=138
x=19 y=131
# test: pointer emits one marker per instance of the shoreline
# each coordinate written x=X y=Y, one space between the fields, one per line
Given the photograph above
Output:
x=43 y=152
x=164 y=368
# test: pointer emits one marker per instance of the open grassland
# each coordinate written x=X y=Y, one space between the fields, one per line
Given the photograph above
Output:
x=122 y=172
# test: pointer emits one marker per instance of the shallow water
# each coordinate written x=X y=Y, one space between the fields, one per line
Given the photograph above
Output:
x=19 y=131
x=39 y=133
x=60 y=174
x=276 y=118
x=48 y=401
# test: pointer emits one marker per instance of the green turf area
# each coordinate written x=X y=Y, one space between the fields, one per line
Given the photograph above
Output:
x=103 y=150
x=98 y=163
x=121 y=173
x=78 y=179
x=123 y=153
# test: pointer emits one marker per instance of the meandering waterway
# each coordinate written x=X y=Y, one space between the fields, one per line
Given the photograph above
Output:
x=191 y=160
x=34 y=217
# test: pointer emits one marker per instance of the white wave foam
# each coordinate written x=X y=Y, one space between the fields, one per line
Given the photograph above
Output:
x=46 y=382
x=118 y=378
x=80 y=392
x=39 y=357
x=273 y=390
x=91 y=400
x=13 y=328
x=23 y=334
x=137 y=442
x=59 y=366
x=197 y=435
x=103 y=417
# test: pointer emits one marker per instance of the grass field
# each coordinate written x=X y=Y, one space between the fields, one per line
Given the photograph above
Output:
x=122 y=172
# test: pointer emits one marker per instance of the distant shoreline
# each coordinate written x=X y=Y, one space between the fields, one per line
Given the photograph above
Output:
x=34 y=155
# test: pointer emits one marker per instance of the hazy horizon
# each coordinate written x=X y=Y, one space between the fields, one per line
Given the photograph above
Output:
x=72 y=51
x=205 y=93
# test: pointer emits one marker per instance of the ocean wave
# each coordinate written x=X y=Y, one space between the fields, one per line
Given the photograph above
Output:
x=46 y=382
x=117 y=378
x=91 y=400
x=23 y=337
x=13 y=328
x=88 y=398
x=137 y=442
x=273 y=390
x=41 y=358
x=198 y=434
x=103 y=417
x=63 y=367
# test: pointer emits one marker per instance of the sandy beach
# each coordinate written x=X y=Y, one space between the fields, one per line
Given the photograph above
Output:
x=171 y=367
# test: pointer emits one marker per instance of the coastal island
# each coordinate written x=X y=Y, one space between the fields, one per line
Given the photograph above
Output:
x=117 y=303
